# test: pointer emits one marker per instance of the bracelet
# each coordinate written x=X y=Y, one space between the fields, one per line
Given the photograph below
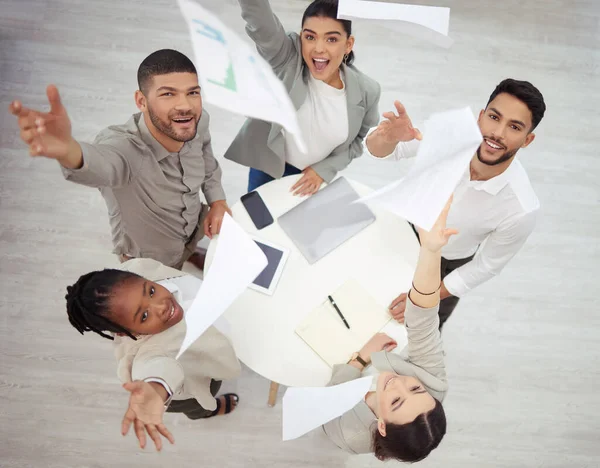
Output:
x=427 y=294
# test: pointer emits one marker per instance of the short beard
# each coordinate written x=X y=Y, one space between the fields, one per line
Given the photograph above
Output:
x=167 y=128
x=505 y=157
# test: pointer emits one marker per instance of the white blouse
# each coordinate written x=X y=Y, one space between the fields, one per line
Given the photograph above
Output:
x=323 y=120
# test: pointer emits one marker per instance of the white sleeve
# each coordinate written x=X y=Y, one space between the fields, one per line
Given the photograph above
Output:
x=501 y=246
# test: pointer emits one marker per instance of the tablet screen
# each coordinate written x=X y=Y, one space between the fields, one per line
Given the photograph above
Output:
x=273 y=257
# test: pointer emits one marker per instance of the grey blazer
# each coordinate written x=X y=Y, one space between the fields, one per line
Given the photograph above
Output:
x=261 y=144
x=423 y=358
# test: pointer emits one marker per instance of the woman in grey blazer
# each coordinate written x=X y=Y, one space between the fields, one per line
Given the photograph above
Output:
x=336 y=103
x=402 y=416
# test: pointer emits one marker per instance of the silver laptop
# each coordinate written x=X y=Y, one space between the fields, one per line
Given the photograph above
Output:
x=326 y=220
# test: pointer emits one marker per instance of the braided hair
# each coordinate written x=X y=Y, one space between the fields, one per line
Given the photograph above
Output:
x=88 y=302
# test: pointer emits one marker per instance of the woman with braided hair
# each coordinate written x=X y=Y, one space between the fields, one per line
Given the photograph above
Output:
x=140 y=307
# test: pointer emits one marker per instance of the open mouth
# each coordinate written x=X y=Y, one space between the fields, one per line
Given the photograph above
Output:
x=184 y=121
x=175 y=312
x=320 y=64
x=493 y=145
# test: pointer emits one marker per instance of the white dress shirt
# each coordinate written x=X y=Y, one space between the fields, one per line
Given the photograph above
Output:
x=323 y=120
x=493 y=217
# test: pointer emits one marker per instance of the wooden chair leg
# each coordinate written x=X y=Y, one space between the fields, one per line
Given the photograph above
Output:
x=273 y=389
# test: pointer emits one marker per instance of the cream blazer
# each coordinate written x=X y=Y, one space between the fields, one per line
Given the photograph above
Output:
x=210 y=357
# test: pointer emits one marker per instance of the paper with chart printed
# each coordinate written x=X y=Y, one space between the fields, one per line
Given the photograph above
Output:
x=307 y=408
x=424 y=22
x=450 y=140
x=237 y=262
x=234 y=76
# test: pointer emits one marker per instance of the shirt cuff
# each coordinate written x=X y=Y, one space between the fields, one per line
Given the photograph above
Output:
x=164 y=384
x=85 y=148
x=214 y=194
x=455 y=284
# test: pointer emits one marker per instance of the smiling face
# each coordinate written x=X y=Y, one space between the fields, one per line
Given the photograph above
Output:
x=144 y=307
x=324 y=45
x=400 y=399
x=505 y=125
x=173 y=104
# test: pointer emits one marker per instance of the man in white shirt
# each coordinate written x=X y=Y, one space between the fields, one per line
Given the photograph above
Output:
x=494 y=207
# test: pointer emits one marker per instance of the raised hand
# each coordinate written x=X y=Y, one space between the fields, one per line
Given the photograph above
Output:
x=397 y=127
x=439 y=235
x=145 y=412
x=48 y=133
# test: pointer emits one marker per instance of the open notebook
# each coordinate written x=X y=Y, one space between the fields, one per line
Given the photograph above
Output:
x=324 y=331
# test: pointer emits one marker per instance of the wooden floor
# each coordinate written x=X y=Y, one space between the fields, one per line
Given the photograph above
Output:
x=523 y=350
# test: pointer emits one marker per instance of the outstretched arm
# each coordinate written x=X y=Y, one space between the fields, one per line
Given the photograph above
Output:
x=421 y=317
x=49 y=134
x=267 y=32
x=391 y=135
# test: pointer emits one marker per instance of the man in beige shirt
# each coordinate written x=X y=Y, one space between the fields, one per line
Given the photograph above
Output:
x=150 y=170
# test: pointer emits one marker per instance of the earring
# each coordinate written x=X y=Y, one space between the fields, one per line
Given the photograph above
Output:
x=345 y=58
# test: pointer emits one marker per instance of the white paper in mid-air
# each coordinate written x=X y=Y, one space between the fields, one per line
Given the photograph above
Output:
x=305 y=409
x=234 y=76
x=424 y=22
x=450 y=140
x=237 y=262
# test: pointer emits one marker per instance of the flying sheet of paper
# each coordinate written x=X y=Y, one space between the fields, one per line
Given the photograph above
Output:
x=234 y=76
x=450 y=140
x=424 y=22
x=305 y=409
x=237 y=262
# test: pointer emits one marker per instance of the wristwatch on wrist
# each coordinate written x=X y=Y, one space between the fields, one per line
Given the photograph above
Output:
x=361 y=361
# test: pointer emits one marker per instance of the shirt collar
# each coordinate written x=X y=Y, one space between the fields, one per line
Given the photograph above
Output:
x=158 y=150
x=495 y=184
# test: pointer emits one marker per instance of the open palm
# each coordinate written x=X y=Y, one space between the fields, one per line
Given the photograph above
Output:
x=46 y=133
x=145 y=412
x=147 y=405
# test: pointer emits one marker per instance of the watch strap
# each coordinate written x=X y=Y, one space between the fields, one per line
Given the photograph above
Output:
x=361 y=360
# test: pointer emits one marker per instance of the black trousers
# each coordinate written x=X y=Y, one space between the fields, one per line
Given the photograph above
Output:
x=447 y=305
x=191 y=408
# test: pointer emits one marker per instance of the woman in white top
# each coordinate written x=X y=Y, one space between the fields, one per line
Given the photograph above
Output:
x=141 y=306
x=402 y=416
x=336 y=103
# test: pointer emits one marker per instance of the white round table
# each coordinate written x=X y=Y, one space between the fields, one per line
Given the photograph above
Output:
x=382 y=258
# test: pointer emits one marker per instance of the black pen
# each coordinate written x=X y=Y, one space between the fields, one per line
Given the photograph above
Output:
x=338 y=311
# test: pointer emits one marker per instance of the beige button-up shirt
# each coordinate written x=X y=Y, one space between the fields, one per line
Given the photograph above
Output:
x=152 y=195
